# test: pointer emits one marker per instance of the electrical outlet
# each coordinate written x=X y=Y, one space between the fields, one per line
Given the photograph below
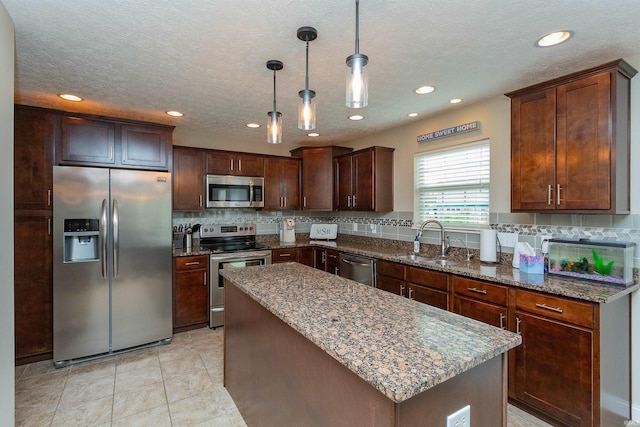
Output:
x=373 y=228
x=460 y=418
x=355 y=226
x=508 y=240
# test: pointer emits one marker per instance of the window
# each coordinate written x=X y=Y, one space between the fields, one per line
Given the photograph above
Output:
x=452 y=185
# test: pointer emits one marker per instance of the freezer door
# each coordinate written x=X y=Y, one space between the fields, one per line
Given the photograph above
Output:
x=80 y=290
x=141 y=269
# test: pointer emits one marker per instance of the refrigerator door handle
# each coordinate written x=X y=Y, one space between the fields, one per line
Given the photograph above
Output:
x=103 y=236
x=116 y=237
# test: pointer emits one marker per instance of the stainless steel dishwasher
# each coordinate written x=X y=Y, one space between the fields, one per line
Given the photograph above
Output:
x=359 y=268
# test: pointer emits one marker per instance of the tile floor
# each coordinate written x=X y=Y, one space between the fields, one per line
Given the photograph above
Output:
x=175 y=385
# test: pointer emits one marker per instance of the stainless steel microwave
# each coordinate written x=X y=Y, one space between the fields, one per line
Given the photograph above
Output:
x=234 y=191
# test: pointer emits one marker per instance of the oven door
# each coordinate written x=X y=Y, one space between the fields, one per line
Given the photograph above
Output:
x=216 y=282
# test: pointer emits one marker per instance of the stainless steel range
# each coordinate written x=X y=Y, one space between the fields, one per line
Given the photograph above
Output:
x=231 y=246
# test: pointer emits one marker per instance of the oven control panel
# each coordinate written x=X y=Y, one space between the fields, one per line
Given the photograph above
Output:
x=228 y=230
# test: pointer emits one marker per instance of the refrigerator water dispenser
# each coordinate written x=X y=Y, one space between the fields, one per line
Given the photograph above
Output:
x=81 y=240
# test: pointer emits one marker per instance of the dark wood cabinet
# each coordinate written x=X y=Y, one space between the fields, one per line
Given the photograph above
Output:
x=232 y=163
x=486 y=302
x=90 y=141
x=284 y=255
x=428 y=286
x=305 y=256
x=363 y=180
x=282 y=183
x=35 y=133
x=33 y=286
x=333 y=262
x=190 y=292
x=391 y=277
x=188 y=179
x=570 y=143
x=317 y=175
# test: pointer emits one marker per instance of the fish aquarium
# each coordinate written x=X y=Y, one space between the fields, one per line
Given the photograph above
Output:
x=607 y=261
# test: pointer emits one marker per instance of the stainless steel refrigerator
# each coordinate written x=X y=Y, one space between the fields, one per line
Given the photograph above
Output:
x=111 y=260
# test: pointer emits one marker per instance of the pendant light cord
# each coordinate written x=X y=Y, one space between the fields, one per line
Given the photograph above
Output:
x=306 y=77
x=274 y=92
x=357 y=27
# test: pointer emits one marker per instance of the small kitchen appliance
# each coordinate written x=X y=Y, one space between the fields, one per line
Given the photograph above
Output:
x=231 y=246
x=288 y=230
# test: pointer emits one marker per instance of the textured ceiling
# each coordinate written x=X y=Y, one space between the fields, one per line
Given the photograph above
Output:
x=139 y=58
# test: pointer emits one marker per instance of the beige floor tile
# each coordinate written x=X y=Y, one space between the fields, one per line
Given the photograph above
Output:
x=77 y=391
x=193 y=411
x=35 y=419
x=180 y=367
x=138 y=359
x=156 y=417
x=94 y=369
x=20 y=370
x=91 y=413
x=138 y=400
x=44 y=367
x=518 y=418
x=191 y=383
x=136 y=378
x=175 y=352
x=38 y=395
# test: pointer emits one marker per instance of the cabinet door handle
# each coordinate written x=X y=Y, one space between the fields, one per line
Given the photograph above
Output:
x=285 y=201
x=231 y=161
x=410 y=296
x=502 y=317
x=546 y=307
x=518 y=326
x=558 y=193
x=402 y=290
x=49 y=194
x=478 y=291
x=285 y=255
x=353 y=198
x=324 y=259
x=549 y=191
x=348 y=201
x=200 y=200
x=304 y=201
x=239 y=165
x=204 y=278
x=192 y=263
x=49 y=225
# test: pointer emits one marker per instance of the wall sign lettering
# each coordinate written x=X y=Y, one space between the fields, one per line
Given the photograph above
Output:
x=466 y=127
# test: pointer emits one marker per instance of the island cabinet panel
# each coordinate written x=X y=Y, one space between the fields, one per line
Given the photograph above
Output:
x=317 y=175
x=188 y=179
x=570 y=143
x=284 y=255
x=363 y=180
x=233 y=163
x=190 y=292
x=480 y=300
x=282 y=183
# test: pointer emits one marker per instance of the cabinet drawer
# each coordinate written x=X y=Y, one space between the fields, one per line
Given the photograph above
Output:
x=284 y=255
x=191 y=262
x=432 y=279
x=428 y=295
x=391 y=284
x=578 y=313
x=391 y=269
x=480 y=290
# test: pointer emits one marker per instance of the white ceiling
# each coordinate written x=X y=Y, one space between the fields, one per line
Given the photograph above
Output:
x=139 y=58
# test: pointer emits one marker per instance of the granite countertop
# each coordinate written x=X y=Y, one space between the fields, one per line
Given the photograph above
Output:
x=502 y=273
x=399 y=346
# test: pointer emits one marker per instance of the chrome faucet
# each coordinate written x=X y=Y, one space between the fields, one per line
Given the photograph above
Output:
x=469 y=256
x=443 y=247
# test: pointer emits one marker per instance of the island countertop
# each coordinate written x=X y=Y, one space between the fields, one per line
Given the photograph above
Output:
x=398 y=346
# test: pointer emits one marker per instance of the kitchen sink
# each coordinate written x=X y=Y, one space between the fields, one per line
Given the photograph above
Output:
x=414 y=257
x=442 y=262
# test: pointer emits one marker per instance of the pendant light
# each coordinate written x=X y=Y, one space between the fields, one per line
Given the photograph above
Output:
x=307 y=109
x=274 y=125
x=357 y=80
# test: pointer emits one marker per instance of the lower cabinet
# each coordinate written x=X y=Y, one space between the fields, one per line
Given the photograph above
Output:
x=305 y=255
x=333 y=262
x=428 y=286
x=480 y=300
x=190 y=292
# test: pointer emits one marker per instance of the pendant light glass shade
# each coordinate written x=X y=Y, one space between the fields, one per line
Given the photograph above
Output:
x=357 y=79
x=307 y=108
x=274 y=125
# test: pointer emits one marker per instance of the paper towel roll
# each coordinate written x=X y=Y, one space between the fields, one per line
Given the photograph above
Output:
x=488 y=245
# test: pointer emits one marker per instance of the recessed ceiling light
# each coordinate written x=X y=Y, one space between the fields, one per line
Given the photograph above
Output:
x=313 y=134
x=356 y=117
x=455 y=101
x=554 y=38
x=252 y=125
x=422 y=90
x=70 y=97
x=412 y=114
x=175 y=113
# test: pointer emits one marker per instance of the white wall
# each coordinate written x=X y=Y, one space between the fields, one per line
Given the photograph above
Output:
x=7 y=372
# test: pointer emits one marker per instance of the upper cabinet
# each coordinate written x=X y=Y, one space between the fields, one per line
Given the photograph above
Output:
x=363 y=180
x=281 y=183
x=317 y=175
x=35 y=132
x=570 y=143
x=89 y=141
x=230 y=163
x=188 y=179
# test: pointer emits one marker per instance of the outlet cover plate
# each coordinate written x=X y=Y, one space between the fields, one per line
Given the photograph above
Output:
x=460 y=418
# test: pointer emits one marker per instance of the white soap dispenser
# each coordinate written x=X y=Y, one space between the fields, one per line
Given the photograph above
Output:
x=416 y=245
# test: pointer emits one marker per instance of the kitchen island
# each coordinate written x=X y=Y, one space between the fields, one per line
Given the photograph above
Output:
x=303 y=347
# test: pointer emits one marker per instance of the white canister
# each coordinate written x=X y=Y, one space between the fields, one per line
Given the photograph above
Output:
x=488 y=240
